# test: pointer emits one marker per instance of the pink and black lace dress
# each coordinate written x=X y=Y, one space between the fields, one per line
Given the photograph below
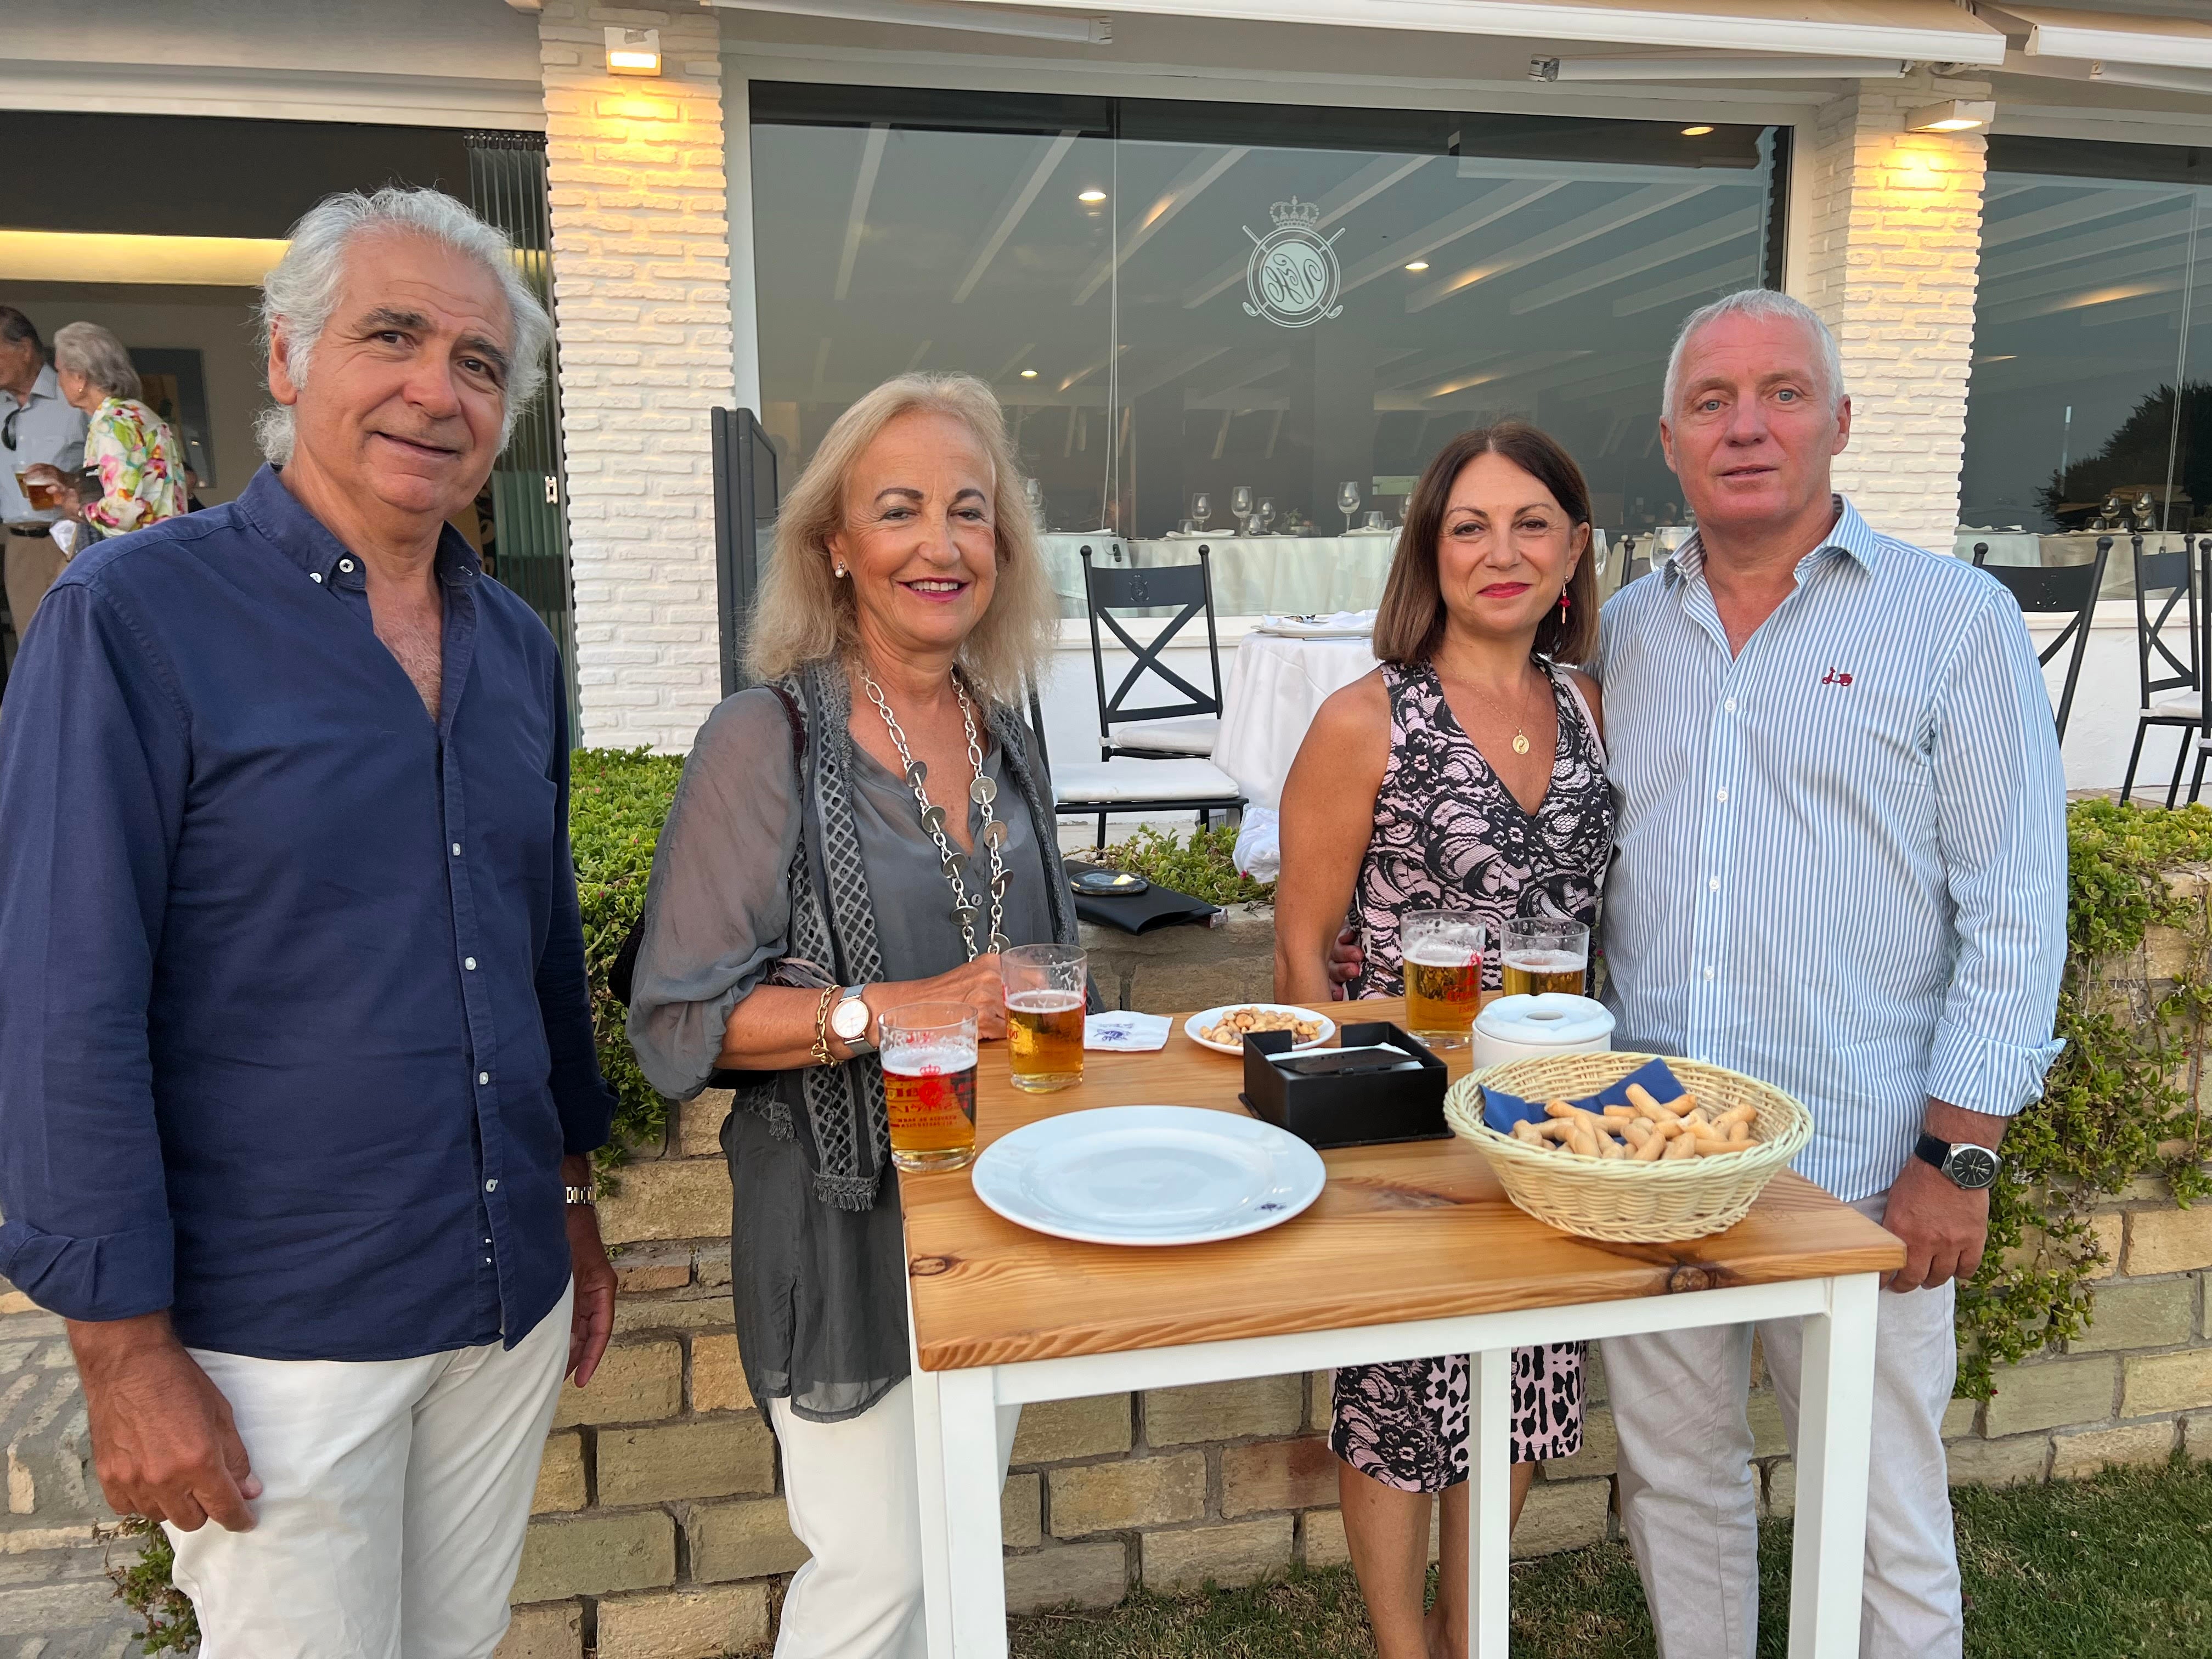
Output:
x=1450 y=836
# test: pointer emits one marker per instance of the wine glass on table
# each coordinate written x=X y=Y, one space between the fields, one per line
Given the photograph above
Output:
x=1240 y=503
x=1201 y=509
x=1347 y=503
x=1266 y=513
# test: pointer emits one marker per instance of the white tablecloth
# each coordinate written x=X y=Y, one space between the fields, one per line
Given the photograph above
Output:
x=1257 y=575
x=1275 y=687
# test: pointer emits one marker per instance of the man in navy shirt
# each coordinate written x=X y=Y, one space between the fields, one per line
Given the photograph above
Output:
x=296 y=1054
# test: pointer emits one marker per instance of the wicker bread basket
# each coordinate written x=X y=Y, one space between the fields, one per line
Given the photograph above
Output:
x=1627 y=1203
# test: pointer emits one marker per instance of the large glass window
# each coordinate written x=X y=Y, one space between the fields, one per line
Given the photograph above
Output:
x=2084 y=328
x=1186 y=306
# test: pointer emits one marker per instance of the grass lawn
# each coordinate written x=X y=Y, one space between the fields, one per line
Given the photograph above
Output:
x=2120 y=1567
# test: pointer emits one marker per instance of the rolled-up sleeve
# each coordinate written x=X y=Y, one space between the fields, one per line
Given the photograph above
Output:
x=717 y=908
x=2001 y=812
x=94 y=764
x=580 y=1094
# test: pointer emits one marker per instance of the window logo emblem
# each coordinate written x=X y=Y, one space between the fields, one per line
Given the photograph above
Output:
x=1293 y=278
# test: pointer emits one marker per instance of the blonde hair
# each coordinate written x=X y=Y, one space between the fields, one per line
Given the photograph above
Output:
x=805 y=613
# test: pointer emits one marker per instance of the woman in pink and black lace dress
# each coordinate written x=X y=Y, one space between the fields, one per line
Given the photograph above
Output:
x=1466 y=773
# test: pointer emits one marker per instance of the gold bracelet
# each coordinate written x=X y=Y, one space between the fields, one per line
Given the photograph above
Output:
x=822 y=1055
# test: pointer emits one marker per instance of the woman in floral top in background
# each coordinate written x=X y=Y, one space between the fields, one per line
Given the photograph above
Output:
x=141 y=464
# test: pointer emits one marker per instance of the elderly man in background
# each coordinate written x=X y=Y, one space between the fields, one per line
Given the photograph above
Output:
x=38 y=428
x=297 y=1081
x=1841 y=868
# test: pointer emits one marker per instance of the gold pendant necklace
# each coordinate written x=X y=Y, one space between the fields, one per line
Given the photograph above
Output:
x=1520 y=736
x=1520 y=741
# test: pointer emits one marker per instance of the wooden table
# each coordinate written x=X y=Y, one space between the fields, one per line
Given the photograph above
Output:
x=1411 y=1249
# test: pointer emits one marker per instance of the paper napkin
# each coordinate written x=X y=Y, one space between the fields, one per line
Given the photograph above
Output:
x=1127 y=1033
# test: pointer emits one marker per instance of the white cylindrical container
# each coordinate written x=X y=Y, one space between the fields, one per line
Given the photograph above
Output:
x=1521 y=1028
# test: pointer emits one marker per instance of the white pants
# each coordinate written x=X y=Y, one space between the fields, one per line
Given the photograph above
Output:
x=394 y=1497
x=851 y=1492
x=1687 y=1494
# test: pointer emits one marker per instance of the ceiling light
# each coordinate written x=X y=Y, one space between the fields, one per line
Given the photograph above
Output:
x=1093 y=195
x=1028 y=375
x=1417 y=264
x=1695 y=132
x=633 y=51
x=1951 y=115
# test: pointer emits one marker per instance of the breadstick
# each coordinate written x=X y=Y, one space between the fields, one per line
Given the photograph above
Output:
x=1686 y=1102
x=1623 y=1113
x=1581 y=1140
x=1640 y=1099
x=1556 y=1129
x=1707 y=1145
x=1639 y=1130
x=1697 y=1121
x=1744 y=1113
x=1561 y=1109
x=1608 y=1147
x=1739 y=1134
x=1653 y=1149
x=1680 y=1147
x=1525 y=1130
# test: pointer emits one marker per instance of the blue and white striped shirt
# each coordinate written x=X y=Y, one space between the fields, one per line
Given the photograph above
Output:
x=1842 y=857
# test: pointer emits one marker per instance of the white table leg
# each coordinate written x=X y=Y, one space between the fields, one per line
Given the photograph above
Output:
x=929 y=1481
x=1835 y=1422
x=975 y=1600
x=1489 y=1502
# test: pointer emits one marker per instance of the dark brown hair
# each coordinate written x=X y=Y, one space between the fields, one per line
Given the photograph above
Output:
x=1409 y=624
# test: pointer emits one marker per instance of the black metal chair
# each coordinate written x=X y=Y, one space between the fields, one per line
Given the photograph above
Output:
x=1166 y=784
x=2059 y=590
x=1186 y=728
x=2171 y=681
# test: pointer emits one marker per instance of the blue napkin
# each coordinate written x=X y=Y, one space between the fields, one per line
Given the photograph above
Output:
x=1501 y=1111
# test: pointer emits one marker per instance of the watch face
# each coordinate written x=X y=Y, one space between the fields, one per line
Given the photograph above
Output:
x=850 y=1019
x=1971 y=1167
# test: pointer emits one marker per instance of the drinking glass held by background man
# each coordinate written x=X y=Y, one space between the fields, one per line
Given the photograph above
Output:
x=1466 y=774
x=38 y=428
x=138 y=462
x=865 y=831
x=297 y=1078
x=1842 y=870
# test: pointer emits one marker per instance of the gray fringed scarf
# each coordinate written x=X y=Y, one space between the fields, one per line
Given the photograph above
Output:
x=848 y=1134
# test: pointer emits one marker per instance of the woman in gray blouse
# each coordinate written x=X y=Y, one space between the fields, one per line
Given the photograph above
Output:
x=799 y=892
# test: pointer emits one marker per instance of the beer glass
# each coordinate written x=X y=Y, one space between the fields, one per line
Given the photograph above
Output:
x=1044 y=1014
x=928 y=1051
x=1538 y=954
x=1442 y=953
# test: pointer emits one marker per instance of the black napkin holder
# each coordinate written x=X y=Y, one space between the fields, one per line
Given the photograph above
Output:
x=1346 y=1110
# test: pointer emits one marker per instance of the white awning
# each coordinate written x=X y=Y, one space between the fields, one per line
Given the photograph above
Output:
x=2060 y=32
x=1931 y=30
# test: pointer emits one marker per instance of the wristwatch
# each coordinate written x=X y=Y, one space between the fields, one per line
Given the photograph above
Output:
x=850 y=1019
x=580 y=1194
x=1964 y=1164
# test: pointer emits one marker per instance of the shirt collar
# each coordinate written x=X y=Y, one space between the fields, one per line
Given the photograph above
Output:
x=278 y=515
x=48 y=385
x=1850 y=534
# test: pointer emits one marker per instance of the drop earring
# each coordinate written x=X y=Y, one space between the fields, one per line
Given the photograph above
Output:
x=838 y=570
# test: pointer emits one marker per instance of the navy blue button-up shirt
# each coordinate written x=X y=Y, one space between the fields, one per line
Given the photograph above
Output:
x=294 y=1022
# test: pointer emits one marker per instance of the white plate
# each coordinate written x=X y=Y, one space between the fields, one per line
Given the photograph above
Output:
x=1148 y=1174
x=1197 y=1022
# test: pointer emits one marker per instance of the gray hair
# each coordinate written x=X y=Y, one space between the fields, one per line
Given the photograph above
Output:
x=89 y=349
x=304 y=286
x=1763 y=304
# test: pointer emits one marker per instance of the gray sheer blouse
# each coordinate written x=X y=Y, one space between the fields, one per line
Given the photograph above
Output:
x=820 y=1291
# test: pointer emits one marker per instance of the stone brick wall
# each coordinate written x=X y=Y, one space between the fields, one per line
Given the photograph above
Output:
x=1889 y=254
x=642 y=299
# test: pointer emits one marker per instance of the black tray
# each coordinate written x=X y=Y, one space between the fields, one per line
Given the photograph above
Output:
x=1323 y=1110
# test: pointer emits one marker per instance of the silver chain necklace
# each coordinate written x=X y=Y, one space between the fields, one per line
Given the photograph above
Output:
x=983 y=791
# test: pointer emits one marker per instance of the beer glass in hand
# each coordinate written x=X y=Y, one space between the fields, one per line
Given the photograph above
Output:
x=1044 y=1014
x=1538 y=954
x=1441 y=951
x=928 y=1051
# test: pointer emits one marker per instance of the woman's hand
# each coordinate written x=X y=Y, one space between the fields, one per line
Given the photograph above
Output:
x=977 y=985
x=51 y=478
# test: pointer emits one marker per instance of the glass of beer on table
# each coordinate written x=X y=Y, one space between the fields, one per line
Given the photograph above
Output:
x=1044 y=1014
x=1442 y=954
x=928 y=1052
x=1538 y=954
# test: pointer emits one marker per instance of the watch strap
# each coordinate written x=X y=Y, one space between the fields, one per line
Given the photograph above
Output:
x=1931 y=1149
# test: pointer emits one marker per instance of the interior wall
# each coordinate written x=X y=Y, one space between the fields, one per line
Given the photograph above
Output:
x=216 y=322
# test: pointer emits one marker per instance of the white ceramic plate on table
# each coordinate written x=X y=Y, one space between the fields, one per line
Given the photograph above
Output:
x=1148 y=1174
x=1212 y=1017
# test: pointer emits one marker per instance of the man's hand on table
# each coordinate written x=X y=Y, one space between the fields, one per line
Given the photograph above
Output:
x=1944 y=1226
x=591 y=1316
x=163 y=1443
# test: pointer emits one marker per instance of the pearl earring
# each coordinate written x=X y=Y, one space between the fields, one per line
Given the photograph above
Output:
x=840 y=571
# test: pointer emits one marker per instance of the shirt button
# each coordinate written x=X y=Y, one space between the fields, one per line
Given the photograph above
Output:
x=1722 y=796
x=1731 y=705
x=491 y=1186
x=484 y=1077
x=457 y=850
x=346 y=565
x=469 y=963
x=1709 y=974
x=1715 y=884
x=314 y=575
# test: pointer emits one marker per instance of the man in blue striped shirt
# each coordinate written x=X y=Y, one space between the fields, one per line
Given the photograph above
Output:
x=1841 y=868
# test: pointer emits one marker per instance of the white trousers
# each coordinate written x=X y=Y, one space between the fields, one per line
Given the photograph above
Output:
x=394 y=1497
x=850 y=1489
x=1688 y=1493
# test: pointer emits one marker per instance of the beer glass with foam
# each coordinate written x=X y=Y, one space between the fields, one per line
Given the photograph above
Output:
x=928 y=1052
x=1044 y=1014
x=1442 y=953
x=1538 y=954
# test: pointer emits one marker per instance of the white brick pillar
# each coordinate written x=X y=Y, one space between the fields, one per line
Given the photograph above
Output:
x=642 y=300
x=1888 y=249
